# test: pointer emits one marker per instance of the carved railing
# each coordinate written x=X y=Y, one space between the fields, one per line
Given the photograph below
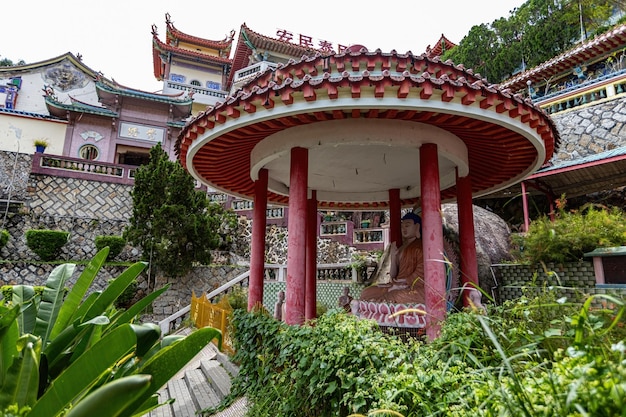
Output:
x=173 y=85
x=249 y=72
x=605 y=87
x=63 y=166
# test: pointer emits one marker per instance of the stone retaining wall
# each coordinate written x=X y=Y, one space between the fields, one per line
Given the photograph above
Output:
x=574 y=280
x=591 y=130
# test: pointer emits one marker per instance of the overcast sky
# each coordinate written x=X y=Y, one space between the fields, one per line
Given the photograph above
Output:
x=114 y=36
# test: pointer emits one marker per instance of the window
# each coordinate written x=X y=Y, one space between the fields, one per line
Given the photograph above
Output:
x=89 y=152
x=196 y=83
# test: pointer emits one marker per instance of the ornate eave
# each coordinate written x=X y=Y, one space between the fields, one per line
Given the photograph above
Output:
x=68 y=56
x=173 y=35
x=442 y=45
x=265 y=43
x=61 y=110
x=600 y=46
x=108 y=94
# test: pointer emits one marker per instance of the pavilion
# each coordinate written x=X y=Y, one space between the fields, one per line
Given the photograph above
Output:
x=363 y=130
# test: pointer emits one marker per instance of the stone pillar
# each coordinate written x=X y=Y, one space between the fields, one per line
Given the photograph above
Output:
x=257 y=244
x=467 y=239
x=432 y=240
x=296 y=242
x=311 y=258
x=395 y=234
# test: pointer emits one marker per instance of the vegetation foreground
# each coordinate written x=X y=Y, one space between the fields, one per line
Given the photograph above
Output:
x=537 y=356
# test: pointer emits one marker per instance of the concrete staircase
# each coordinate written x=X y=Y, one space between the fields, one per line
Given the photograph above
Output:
x=203 y=383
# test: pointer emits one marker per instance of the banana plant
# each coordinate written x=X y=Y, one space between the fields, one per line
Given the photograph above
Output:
x=69 y=353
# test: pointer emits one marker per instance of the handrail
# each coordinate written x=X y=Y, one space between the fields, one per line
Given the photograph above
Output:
x=166 y=323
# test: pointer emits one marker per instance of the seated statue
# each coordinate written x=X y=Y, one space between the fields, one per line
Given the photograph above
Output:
x=345 y=299
x=406 y=269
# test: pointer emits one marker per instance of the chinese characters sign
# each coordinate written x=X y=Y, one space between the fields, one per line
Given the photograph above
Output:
x=307 y=42
x=135 y=131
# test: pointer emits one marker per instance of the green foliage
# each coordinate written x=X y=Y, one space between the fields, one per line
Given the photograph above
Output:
x=530 y=357
x=46 y=243
x=73 y=354
x=4 y=238
x=115 y=243
x=574 y=233
x=533 y=33
x=237 y=298
x=175 y=224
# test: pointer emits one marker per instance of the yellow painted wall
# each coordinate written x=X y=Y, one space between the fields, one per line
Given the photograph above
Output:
x=17 y=133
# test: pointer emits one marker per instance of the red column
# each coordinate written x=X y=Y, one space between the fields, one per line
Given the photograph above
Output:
x=257 y=244
x=525 y=206
x=296 y=242
x=394 y=216
x=432 y=240
x=467 y=238
x=310 y=302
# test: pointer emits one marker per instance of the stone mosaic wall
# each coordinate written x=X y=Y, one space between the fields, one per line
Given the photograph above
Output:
x=14 y=170
x=591 y=130
x=573 y=280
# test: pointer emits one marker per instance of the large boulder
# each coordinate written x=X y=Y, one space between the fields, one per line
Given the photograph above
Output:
x=493 y=243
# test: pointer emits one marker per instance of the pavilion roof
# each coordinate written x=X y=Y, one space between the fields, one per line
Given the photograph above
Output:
x=506 y=136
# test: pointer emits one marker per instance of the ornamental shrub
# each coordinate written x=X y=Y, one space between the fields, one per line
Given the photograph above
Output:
x=573 y=233
x=46 y=243
x=4 y=238
x=115 y=243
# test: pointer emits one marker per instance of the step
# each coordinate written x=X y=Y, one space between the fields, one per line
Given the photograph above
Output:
x=217 y=376
x=184 y=406
x=204 y=395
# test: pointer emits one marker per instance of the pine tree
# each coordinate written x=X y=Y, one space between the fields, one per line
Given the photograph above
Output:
x=175 y=224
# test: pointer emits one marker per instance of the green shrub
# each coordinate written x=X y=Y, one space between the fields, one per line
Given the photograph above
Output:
x=115 y=243
x=573 y=233
x=538 y=356
x=46 y=243
x=4 y=238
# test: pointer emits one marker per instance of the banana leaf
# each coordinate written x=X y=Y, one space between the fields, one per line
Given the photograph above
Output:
x=82 y=309
x=51 y=301
x=80 y=376
x=22 y=379
x=128 y=315
x=23 y=295
x=78 y=291
x=9 y=333
x=168 y=362
x=114 y=290
x=60 y=347
x=111 y=399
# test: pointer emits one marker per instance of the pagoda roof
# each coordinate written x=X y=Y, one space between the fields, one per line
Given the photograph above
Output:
x=363 y=117
x=68 y=56
x=169 y=47
x=249 y=39
x=597 y=47
x=173 y=35
x=108 y=92
x=60 y=110
x=442 y=45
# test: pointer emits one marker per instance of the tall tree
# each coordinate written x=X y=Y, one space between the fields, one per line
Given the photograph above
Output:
x=175 y=224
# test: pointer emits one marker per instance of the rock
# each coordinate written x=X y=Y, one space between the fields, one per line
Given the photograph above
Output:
x=492 y=240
